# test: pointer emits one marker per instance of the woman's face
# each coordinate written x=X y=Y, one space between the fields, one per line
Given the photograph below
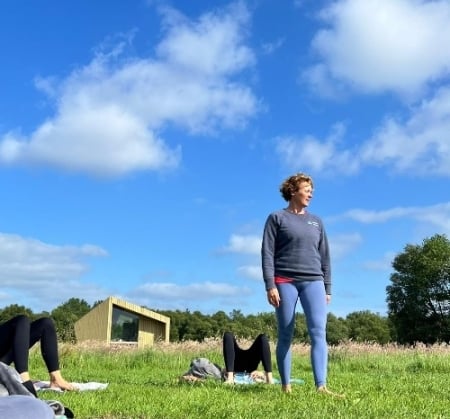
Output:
x=303 y=195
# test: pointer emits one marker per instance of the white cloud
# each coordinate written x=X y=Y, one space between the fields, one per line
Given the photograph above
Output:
x=320 y=82
x=249 y=244
x=251 y=272
x=31 y=270
x=343 y=244
x=26 y=261
x=111 y=113
x=190 y=292
x=316 y=155
x=269 y=48
x=419 y=145
x=222 y=34
x=435 y=215
x=379 y=45
x=383 y=264
x=205 y=296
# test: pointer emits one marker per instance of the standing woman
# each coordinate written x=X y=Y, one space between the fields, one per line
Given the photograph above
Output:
x=296 y=265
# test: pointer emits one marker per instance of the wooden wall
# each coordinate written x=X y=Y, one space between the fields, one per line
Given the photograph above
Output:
x=96 y=325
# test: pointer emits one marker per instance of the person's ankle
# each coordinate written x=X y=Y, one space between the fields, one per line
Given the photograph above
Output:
x=25 y=376
x=57 y=381
x=286 y=388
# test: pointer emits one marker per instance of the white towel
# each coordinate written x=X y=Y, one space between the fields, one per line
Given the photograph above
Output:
x=45 y=386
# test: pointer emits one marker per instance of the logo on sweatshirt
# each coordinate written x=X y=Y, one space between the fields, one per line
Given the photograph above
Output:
x=313 y=223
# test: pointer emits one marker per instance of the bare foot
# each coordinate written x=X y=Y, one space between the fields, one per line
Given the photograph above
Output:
x=324 y=390
x=62 y=385
x=286 y=388
x=189 y=378
x=57 y=381
x=269 y=378
x=229 y=382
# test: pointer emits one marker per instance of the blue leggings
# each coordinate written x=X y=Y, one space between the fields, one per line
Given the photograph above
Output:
x=313 y=299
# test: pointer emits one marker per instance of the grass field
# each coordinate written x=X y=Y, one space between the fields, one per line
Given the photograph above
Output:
x=379 y=382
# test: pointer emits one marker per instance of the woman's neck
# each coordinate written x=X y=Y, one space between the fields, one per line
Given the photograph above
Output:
x=295 y=209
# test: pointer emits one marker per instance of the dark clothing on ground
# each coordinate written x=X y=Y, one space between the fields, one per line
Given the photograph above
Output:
x=246 y=360
x=18 y=335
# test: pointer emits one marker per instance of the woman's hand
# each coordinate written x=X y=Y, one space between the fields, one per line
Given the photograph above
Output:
x=273 y=297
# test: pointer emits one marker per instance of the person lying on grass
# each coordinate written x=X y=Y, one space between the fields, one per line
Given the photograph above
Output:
x=239 y=360
x=240 y=364
x=18 y=335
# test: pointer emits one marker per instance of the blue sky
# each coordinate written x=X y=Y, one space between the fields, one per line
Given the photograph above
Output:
x=142 y=144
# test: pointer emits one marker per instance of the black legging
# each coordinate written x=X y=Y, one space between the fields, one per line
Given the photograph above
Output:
x=246 y=360
x=18 y=335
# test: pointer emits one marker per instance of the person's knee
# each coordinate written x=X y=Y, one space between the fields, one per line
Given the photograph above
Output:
x=22 y=321
x=264 y=338
x=318 y=334
x=284 y=341
x=286 y=333
x=47 y=323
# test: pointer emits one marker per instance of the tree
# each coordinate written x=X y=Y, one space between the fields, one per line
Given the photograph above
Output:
x=220 y=324
x=301 y=329
x=14 y=310
x=269 y=327
x=419 y=296
x=337 y=330
x=66 y=315
x=364 y=326
x=199 y=327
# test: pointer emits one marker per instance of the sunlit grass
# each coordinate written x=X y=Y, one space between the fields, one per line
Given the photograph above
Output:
x=379 y=382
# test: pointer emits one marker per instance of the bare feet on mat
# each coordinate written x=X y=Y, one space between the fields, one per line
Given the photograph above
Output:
x=62 y=385
x=57 y=381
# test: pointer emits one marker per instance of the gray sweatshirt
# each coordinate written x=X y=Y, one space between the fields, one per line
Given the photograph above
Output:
x=295 y=247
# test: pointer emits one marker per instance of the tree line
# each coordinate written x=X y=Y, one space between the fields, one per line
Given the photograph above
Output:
x=418 y=300
x=185 y=325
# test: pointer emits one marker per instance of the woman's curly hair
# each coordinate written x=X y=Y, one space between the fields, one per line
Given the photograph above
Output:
x=292 y=184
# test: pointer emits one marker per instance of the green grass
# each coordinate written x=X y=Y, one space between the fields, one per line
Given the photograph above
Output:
x=379 y=382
